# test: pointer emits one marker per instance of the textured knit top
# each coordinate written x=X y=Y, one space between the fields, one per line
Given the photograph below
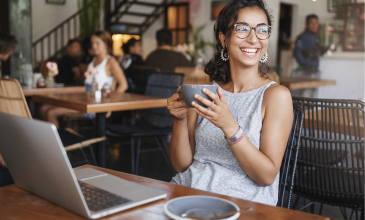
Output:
x=215 y=167
x=101 y=78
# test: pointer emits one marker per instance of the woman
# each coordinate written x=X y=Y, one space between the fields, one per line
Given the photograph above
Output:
x=236 y=146
x=107 y=68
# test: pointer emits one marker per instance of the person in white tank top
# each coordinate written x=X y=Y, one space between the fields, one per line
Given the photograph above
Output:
x=106 y=67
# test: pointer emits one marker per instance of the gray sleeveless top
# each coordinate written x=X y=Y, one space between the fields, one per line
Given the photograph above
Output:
x=215 y=168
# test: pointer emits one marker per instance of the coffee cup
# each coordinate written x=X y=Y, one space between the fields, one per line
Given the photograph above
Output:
x=188 y=92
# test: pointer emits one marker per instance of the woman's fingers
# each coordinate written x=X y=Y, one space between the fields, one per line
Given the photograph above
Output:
x=221 y=95
x=174 y=98
x=203 y=110
x=204 y=101
x=173 y=105
x=212 y=95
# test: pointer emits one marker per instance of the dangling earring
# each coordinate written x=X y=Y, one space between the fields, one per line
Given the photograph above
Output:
x=264 y=58
x=224 y=56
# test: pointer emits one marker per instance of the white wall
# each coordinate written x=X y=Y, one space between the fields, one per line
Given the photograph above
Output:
x=47 y=16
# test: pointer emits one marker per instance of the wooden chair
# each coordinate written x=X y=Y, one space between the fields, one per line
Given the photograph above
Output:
x=273 y=76
x=193 y=75
x=12 y=101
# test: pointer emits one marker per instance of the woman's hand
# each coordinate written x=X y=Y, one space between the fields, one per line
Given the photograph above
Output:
x=177 y=108
x=219 y=114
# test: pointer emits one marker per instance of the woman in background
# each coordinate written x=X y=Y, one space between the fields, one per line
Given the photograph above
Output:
x=105 y=66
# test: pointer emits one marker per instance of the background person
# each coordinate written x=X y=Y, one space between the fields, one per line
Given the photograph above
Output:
x=249 y=107
x=163 y=57
x=8 y=44
x=68 y=66
x=307 y=51
x=107 y=68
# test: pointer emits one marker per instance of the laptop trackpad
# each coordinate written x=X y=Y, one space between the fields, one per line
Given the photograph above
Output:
x=87 y=173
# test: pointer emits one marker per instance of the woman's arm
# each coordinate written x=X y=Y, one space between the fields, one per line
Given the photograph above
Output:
x=118 y=74
x=261 y=165
x=182 y=144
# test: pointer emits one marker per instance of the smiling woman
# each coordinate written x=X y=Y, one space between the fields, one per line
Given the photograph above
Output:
x=235 y=146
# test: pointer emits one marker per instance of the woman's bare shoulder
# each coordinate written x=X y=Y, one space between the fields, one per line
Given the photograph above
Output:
x=277 y=94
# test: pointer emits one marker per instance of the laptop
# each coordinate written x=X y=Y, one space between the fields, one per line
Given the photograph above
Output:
x=38 y=163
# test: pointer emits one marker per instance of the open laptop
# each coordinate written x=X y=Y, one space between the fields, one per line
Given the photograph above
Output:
x=38 y=163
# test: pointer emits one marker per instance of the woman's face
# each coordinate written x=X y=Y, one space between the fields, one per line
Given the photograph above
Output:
x=250 y=50
x=98 y=45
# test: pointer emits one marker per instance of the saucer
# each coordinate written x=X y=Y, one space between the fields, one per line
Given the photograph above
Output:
x=199 y=206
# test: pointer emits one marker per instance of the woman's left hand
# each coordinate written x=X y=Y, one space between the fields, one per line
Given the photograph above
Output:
x=219 y=114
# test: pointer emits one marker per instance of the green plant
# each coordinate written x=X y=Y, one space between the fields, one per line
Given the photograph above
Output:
x=198 y=42
x=89 y=16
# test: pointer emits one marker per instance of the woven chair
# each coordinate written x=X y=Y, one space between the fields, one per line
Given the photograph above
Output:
x=12 y=101
x=193 y=75
x=330 y=168
x=289 y=162
x=139 y=76
x=156 y=123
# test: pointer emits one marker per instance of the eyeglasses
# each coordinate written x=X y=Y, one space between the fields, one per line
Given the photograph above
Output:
x=243 y=30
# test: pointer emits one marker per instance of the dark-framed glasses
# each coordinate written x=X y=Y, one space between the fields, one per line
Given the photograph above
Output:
x=243 y=30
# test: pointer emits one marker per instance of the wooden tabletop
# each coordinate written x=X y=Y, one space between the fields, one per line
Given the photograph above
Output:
x=116 y=102
x=305 y=83
x=55 y=90
x=16 y=203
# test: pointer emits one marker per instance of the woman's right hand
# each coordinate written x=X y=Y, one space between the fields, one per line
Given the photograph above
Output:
x=178 y=109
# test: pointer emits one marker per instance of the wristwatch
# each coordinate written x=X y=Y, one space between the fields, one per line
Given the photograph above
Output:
x=237 y=137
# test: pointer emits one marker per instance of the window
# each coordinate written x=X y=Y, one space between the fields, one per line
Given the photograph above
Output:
x=177 y=20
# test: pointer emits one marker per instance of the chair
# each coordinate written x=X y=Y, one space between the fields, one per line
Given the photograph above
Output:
x=156 y=123
x=331 y=158
x=139 y=76
x=193 y=75
x=12 y=101
x=273 y=76
x=289 y=162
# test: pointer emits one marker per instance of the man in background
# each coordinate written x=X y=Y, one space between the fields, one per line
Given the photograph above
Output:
x=8 y=44
x=307 y=50
x=68 y=66
x=163 y=57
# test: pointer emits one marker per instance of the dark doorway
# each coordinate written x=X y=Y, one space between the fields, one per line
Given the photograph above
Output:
x=285 y=23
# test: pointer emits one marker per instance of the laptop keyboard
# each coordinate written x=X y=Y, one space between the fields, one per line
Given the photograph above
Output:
x=98 y=199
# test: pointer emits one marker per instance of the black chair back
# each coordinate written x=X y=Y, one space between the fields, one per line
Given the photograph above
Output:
x=288 y=164
x=139 y=76
x=331 y=160
x=162 y=85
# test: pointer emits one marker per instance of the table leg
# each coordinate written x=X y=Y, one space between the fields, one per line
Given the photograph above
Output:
x=100 y=126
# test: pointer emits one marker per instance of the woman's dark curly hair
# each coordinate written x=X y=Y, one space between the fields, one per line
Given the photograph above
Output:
x=216 y=68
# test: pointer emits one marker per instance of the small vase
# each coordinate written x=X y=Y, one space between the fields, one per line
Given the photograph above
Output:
x=50 y=81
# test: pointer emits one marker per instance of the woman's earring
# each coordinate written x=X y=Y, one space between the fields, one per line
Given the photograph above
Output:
x=224 y=56
x=264 y=58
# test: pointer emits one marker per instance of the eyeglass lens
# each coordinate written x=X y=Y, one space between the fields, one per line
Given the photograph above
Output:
x=262 y=31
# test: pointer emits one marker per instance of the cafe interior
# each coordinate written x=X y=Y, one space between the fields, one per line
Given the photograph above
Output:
x=93 y=89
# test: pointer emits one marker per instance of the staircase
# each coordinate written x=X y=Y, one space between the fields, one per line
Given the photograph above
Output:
x=133 y=16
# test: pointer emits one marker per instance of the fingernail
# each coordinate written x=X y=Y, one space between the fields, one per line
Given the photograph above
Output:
x=204 y=90
x=196 y=96
x=193 y=103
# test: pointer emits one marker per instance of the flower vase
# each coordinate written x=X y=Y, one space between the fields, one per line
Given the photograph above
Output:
x=50 y=81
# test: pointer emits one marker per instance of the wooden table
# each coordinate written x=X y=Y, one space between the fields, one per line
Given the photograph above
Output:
x=305 y=83
x=16 y=203
x=55 y=90
x=116 y=102
x=30 y=91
